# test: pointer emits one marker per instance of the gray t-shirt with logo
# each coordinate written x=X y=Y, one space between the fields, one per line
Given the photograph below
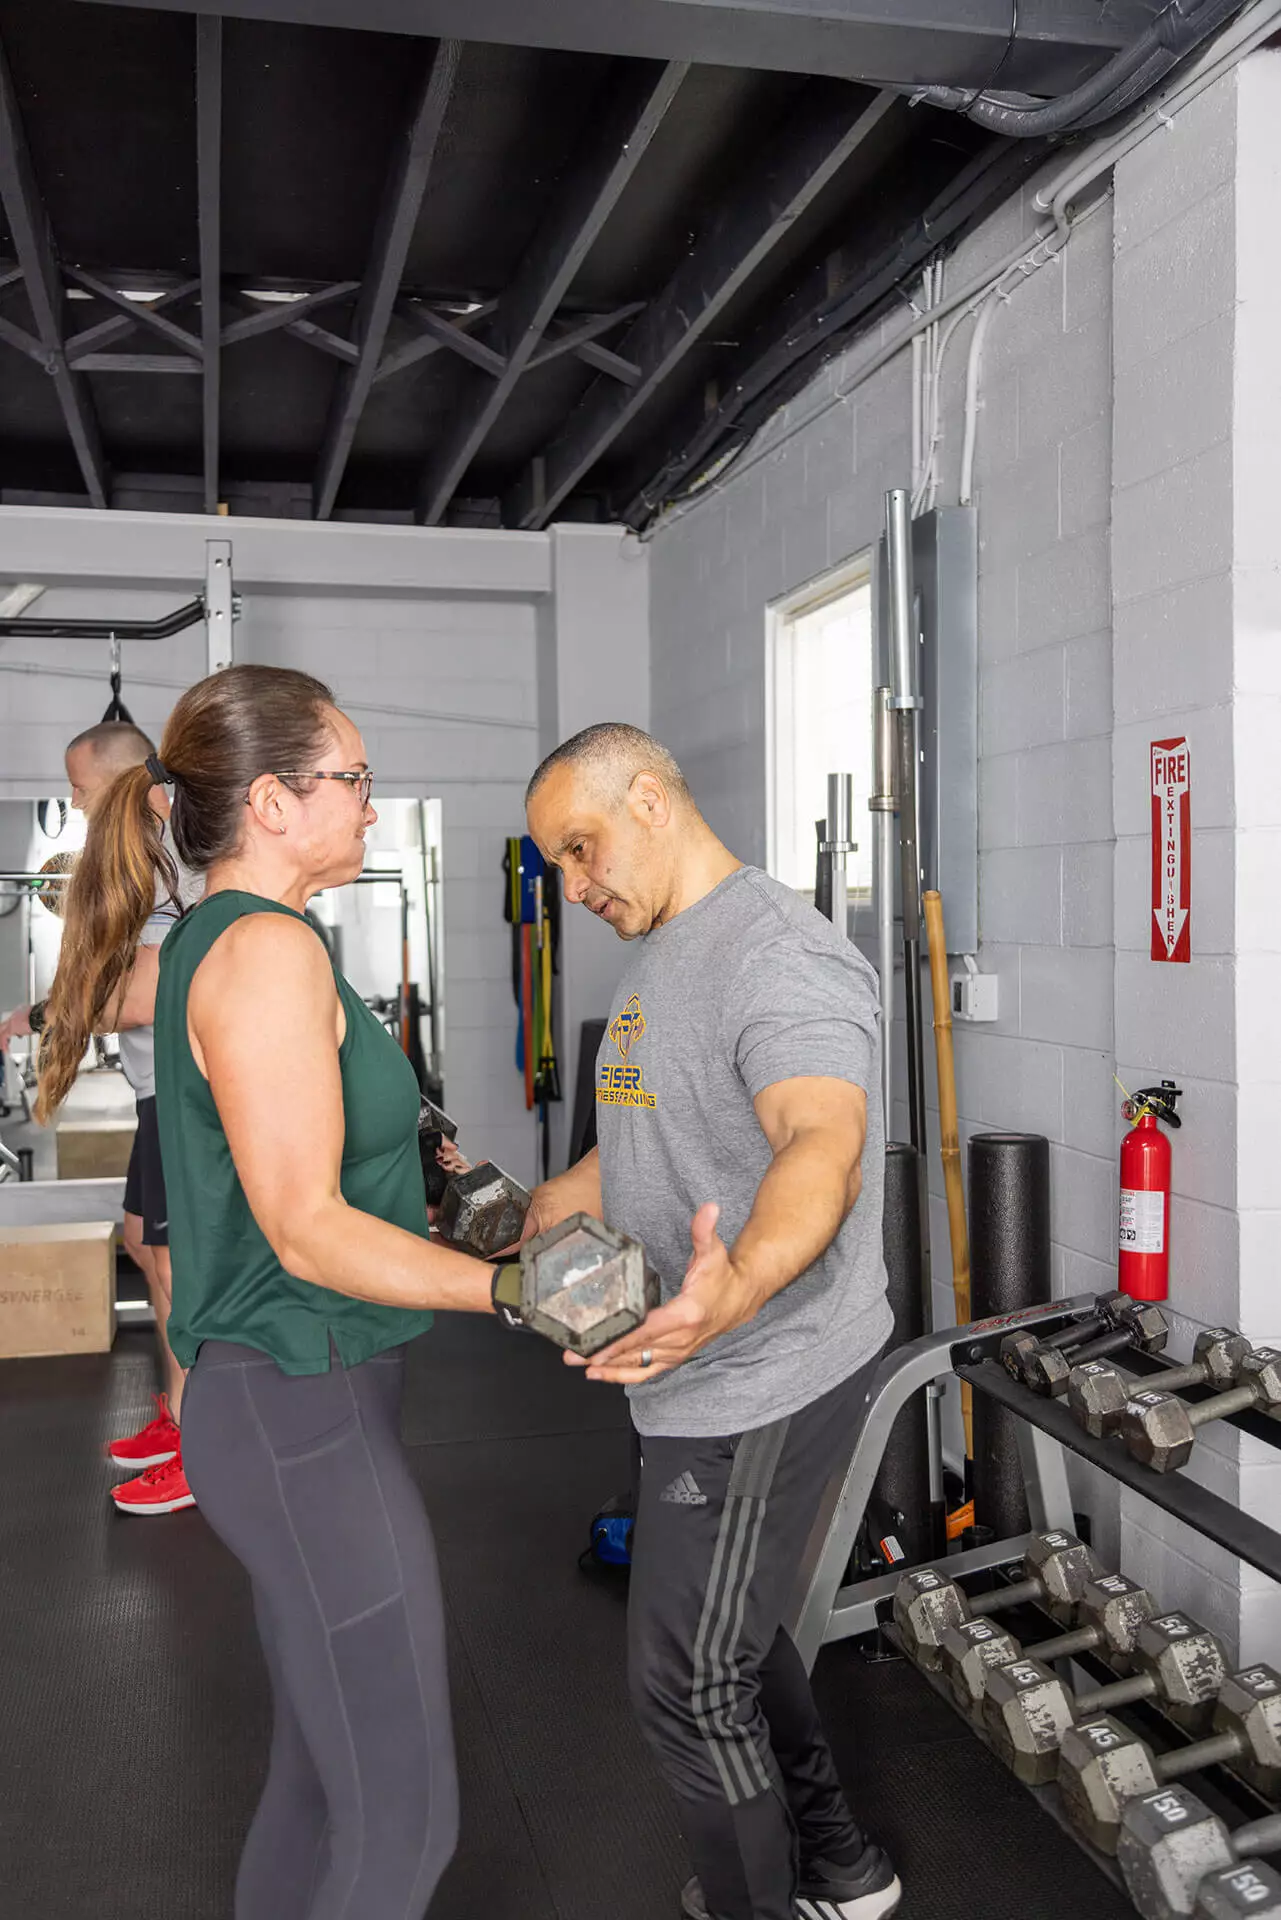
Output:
x=748 y=987
x=138 y=1044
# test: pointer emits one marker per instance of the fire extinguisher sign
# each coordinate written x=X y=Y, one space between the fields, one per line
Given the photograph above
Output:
x=1171 y=850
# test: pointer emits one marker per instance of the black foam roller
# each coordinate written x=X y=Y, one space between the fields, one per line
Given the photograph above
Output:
x=902 y=1493
x=1009 y=1268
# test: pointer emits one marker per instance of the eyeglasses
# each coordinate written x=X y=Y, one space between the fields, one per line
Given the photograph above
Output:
x=363 y=782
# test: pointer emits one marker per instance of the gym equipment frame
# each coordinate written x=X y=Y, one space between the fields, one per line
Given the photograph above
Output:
x=824 y=1609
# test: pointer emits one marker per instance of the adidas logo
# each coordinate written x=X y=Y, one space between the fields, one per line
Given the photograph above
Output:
x=684 y=1492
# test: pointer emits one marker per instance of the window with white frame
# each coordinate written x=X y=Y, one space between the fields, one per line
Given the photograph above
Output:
x=819 y=720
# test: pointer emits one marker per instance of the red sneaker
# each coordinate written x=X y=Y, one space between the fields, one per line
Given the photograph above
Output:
x=161 y=1489
x=156 y=1443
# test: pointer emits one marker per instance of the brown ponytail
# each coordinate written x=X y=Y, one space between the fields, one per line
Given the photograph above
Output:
x=223 y=733
x=109 y=899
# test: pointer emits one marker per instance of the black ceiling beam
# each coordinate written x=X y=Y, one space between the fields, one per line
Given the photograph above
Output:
x=324 y=341
x=209 y=204
x=814 y=142
x=412 y=351
x=142 y=313
x=29 y=225
x=597 y=177
x=445 y=334
x=594 y=355
x=785 y=350
x=392 y=237
x=582 y=332
x=102 y=334
x=9 y=276
x=904 y=43
x=14 y=336
x=139 y=363
x=268 y=316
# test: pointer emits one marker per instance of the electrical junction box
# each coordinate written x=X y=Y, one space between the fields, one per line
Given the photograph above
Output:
x=974 y=995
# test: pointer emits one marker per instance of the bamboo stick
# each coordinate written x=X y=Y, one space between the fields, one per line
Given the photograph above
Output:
x=949 y=1135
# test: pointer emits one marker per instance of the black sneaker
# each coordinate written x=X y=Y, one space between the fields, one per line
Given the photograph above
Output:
x=870 y=1890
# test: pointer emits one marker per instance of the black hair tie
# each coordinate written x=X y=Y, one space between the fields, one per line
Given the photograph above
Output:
x=160 y=774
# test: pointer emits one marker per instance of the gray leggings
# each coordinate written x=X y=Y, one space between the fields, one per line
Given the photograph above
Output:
x=305 y=1480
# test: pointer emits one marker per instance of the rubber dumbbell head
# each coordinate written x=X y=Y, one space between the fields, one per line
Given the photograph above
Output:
x=1104 y=1765
x=1027 y=1709
x=1097 y=1391
x=584 y=1284
x=1249 y=1887
x=1016 y=1348
x=1047 y=1369
x=1172 y=1847
x=1161 y=1430
x=1057 y=1566
x=968 y=1652
x=483 y=1211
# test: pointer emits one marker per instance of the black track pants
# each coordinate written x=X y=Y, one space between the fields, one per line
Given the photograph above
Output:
x=306 y=1482
x=721 y=1693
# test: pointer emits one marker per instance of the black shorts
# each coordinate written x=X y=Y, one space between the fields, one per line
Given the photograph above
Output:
x=145 y=1179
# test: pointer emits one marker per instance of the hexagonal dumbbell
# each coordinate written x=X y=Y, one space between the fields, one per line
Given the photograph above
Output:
x=1097 y=1391
x=483 y=1211
x=1160 y=1430
x=1018 y=1347
x=926 y=1604
x=1173 y=1659
x=1046 y=1369
x=434 y=1127
x=583 y=1284
x=1104 y=1765
x=1173 y=1849
x=1176 y=1662
x=1027 y=1710
x=1249 y=1887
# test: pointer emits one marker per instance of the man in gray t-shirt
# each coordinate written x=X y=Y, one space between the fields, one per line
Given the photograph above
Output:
x=740 y=1138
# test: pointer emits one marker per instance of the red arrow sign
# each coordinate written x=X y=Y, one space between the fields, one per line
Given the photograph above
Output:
x=1171 y=850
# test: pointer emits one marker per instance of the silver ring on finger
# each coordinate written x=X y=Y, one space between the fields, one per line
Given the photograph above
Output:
x=647 y=1357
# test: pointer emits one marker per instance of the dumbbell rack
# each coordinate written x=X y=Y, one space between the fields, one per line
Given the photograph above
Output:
x=824 y=1609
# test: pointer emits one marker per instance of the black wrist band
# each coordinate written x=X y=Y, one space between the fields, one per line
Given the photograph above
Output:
x=505 y=1294
x=35 y=1016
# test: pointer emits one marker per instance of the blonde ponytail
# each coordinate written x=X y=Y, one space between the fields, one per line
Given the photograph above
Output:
x=109 y=899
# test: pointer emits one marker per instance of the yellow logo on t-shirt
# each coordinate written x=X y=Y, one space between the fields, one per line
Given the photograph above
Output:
x=621 y=1085
x=628 y=1026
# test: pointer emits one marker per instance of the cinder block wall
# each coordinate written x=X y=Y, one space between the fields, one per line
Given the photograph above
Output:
x=1128 y=569
x=1043 y=490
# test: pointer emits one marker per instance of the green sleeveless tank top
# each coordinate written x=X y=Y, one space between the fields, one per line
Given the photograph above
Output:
x=227 y=1282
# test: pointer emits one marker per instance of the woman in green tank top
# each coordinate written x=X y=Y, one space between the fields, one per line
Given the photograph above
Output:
x=301 y=1266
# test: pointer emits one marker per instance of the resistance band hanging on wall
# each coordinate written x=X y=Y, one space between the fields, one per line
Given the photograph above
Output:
x=532 y=907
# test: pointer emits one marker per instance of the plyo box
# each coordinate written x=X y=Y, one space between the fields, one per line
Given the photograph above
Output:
x=57 y=1289
x=90 y=1149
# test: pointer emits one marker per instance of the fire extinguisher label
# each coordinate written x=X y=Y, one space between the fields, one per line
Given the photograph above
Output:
x=1142 y=1221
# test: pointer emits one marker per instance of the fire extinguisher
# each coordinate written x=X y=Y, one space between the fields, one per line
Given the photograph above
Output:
x=1144 y=1259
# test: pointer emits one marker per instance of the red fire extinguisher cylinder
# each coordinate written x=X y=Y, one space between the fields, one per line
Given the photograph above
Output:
x=1144 y=1241
x=1145 y=1211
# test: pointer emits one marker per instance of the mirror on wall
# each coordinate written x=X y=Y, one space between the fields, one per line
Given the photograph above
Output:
x=384 y=931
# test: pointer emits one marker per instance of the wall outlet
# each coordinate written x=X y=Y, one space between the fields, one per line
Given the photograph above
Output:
x=974 y=994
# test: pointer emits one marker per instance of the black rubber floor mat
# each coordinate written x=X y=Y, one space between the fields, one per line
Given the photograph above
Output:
x=472 y=1379
x=547 y=1644
x=964 y=1835
x=135 y=1716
